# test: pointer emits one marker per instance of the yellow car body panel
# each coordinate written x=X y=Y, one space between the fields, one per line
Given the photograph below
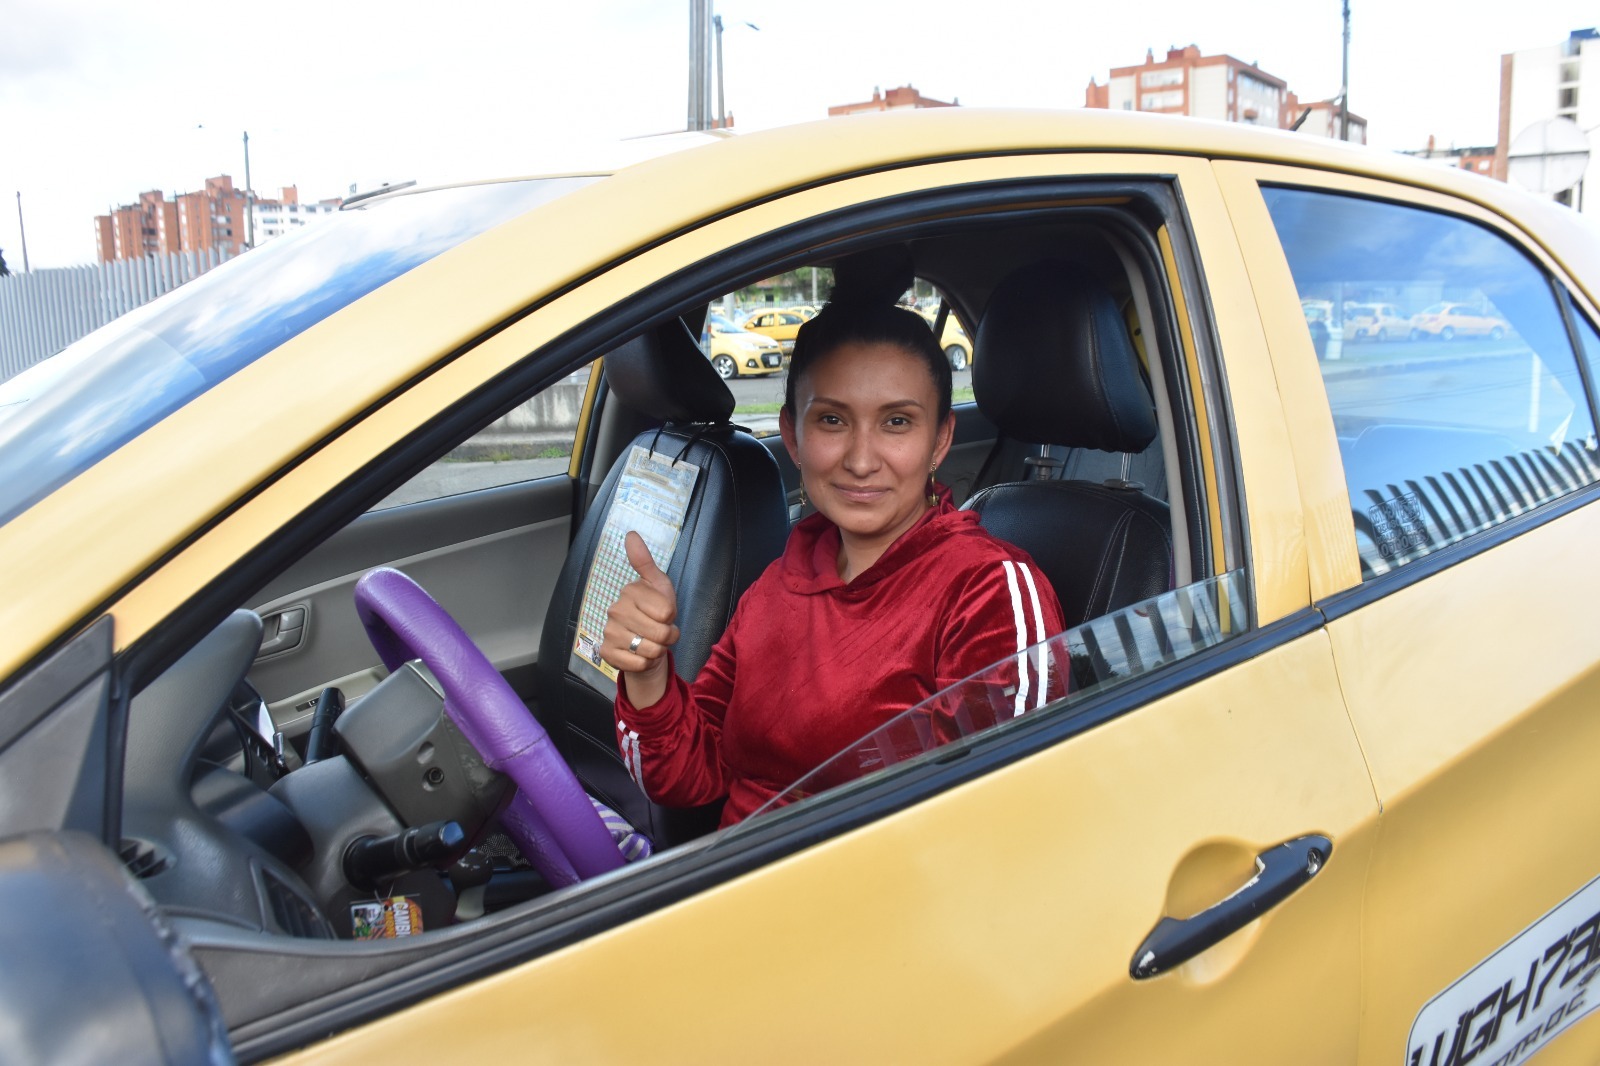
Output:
x=1038 y=977
x=1477 y=723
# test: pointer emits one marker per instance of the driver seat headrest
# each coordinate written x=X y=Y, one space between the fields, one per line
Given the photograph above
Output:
x=665 y=376
x=1056 y=364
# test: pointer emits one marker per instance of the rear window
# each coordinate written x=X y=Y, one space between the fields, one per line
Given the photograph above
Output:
x=63 y=415
x=1461 y=416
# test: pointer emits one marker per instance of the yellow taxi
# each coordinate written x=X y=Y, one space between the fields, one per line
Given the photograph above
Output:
x=781 y=326
x=953 y=339
x=738 y=352
x=1320 y=788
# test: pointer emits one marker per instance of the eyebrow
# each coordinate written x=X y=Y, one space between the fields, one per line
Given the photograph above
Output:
x=890 y=406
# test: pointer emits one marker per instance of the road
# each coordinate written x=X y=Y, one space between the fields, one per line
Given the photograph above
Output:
x=1479 y=385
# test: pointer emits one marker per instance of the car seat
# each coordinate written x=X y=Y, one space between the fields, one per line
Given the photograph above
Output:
x=735 y=524
x=1056 y=366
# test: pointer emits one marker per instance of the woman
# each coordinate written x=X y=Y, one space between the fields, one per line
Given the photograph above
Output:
x=883 y=597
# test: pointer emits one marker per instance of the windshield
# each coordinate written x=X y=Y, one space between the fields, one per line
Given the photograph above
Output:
x=1093 y=657
x=61 y=416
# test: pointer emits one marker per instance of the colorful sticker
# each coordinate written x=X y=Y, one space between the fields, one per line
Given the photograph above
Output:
x=385 y=919
x=1520 y=998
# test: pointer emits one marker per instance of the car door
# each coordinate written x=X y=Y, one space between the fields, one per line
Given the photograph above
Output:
x=485 y=530
x=996 y=904
x=1454 y=567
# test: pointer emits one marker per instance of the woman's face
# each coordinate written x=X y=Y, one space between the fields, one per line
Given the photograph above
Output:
x=866 y=432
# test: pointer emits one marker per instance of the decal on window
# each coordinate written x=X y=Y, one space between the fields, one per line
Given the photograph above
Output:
x=1520 y=998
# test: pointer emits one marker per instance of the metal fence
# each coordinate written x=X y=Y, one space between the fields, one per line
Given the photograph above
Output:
x=44 y=311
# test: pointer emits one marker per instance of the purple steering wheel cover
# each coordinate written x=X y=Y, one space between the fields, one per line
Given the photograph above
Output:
x=404 y=622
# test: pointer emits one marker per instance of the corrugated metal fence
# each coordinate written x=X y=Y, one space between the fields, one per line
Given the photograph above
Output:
x=44 y=311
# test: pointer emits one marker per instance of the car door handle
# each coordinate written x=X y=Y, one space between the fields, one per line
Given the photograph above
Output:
x=283 y=630
x=1280 y=871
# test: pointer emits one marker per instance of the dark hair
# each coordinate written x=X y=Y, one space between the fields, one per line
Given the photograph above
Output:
x=868 y=322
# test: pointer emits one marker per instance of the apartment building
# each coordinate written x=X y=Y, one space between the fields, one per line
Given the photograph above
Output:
x=1190 y=83
x=897 y=99
x=215 y=217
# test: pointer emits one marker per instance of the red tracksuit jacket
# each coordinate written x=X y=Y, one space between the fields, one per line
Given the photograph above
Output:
x=809 y=665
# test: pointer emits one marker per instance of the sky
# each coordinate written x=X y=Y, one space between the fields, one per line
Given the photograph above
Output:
x=102 y=99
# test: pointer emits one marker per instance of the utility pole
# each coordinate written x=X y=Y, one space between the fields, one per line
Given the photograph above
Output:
x=722 y=112
x=699 y=64
x=1344 y=90
x=249 y=197
x=23 y=233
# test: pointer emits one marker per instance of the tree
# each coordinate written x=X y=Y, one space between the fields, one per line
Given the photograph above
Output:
x=5 y=271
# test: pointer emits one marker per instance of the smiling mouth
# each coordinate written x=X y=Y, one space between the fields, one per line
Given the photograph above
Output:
x=862 y=494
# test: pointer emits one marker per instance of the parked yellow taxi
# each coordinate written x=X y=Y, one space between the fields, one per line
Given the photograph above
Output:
x=738 y=352
x=781 y=326
x=1321 y=788
x=953 y=339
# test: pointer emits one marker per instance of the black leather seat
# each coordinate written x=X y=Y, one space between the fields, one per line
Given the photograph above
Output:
x=737 y=522
x=1054 y=364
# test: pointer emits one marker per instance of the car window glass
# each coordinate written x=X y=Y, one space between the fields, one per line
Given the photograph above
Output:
x=60 y=416
x=1459 y=417
x=1089 y=659
x=1591 y=344
x=533 y=440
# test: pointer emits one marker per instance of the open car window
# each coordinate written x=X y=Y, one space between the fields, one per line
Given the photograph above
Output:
x=1081 y=663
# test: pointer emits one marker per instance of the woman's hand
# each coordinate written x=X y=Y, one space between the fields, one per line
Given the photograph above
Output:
x=641 y=626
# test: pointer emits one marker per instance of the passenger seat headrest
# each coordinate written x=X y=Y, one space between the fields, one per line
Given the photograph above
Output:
x=1054 y=364
x=665 y=376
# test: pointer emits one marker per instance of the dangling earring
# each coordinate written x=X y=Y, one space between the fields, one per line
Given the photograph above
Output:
x=802 y=484
x=933 y=491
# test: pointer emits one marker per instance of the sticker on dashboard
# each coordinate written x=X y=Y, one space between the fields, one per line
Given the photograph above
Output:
x=385 y=919
x=1520 y=998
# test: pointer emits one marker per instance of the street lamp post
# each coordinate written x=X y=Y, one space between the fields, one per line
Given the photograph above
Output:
x=722 y=112
x=249 y=197
x=1344 y=89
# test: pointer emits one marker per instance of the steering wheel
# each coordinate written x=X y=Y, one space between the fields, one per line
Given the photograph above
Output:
x=551 y=818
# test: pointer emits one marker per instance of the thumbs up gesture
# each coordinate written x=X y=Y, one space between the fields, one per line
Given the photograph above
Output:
x=641 y=626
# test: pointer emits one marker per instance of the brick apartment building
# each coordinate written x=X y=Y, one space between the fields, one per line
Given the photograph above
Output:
x=897 y=99
x=215 y=217
x=1216 y=87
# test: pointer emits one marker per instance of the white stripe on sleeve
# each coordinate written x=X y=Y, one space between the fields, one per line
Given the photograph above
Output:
x=1022 y=638
x=630 y=754
x=1039 y=650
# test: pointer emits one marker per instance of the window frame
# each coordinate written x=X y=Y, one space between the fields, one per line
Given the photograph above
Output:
x=1184 y=329
x=1318 y=459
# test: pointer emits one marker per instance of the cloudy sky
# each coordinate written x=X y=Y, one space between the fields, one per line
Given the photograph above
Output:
x=101 y=99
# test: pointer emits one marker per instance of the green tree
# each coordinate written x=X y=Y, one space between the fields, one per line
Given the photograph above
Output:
x=5 y=271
